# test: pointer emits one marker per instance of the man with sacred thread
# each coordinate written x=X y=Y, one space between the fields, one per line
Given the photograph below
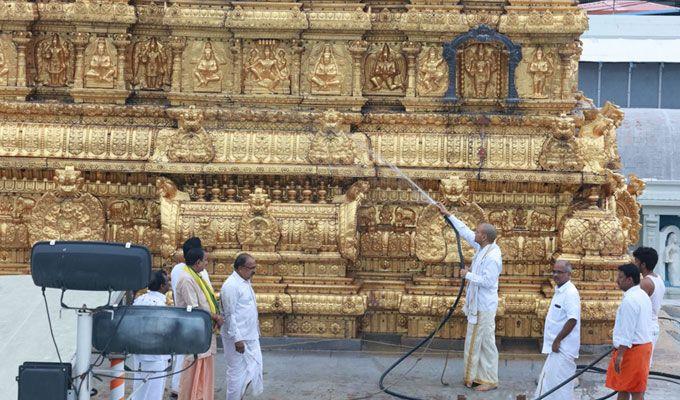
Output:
x=480 y=360
x=198 y=382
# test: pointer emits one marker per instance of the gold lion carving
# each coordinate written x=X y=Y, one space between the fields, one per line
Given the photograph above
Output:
x=189 y=143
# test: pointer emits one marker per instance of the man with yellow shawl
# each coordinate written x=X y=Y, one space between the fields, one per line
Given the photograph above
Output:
x=197 y=382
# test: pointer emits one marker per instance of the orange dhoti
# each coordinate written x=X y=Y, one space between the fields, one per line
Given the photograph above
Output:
x=634 y=369
x=197 y=382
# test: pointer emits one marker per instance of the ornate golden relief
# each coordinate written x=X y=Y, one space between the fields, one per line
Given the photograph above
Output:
x=8 y=61
x=332 y=143
x=560 y=151
x=385 y=70
x=542 y=68
x=328 y=70
x=189 y=143
x=481 y=71
x=66 y=213
x=623 y=198
x=206 y=67
x=151 y=62
x=258 y=231
x=348 y=241
x=597 y=138
x=259 y=173
x=435 y=240
x=266 y=68
x=101 y=61
x=54 y=61
x=433 y=72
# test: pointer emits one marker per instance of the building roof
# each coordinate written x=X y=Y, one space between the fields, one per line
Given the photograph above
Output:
x=631 y=38
x=649 y=143
x=627 y=7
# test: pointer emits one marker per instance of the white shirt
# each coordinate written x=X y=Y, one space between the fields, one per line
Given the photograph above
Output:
x=176 y=271
x=565 y=305
x=240 y=309
x=657 y=296
x=484 y=272
x=151 y=298
x=633 y=319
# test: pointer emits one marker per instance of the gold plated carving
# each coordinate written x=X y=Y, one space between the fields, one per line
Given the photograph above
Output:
x=267 y=68
x=258 y=231
x=481 y=75
x=66 y=213
x=208 y=67
x=151 y=65
x=54 y=60
x=326 y=76
x=385 y=69
x=274 y=128
x=101 y=60
x=433 y=72
x=541 y=68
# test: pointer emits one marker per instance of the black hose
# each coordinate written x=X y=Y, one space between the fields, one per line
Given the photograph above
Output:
x=576 y=375
x=443 y=322
x=581 y=369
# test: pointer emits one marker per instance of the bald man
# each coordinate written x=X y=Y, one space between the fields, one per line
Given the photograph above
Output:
x=481 y=301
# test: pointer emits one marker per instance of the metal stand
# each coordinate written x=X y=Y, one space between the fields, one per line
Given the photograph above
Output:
x=83 y=352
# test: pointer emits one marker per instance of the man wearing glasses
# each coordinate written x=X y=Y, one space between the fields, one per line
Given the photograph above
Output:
x=561 y=335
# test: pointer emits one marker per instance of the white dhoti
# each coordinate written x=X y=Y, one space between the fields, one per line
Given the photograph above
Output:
x=151 y=389
x=655 y=336
x=558 y=367
x=177 y=366
x=481 y=355
x=243 y=369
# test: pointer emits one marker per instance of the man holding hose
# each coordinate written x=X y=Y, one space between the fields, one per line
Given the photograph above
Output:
x=481 y=301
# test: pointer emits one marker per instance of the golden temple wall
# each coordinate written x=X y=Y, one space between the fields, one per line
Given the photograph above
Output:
x=271 y=127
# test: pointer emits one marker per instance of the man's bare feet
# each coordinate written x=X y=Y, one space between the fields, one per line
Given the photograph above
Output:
x=485 y=388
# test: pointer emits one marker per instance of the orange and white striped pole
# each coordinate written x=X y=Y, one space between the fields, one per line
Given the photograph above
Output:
x=117 y=385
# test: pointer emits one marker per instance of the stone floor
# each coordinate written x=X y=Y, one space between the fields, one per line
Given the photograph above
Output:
x=342 y=373
x=353 y=375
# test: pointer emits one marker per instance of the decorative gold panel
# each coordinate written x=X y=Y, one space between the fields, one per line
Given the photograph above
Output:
x=277 y=128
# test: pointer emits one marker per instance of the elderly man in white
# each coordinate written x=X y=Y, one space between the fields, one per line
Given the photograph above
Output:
x=480 y=360
x=155 y=364
x=561 y=336
x=241 y=332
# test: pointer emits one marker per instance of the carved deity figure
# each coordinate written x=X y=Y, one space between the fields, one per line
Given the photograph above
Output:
x=100 y=69
x=386 y=69
x=432 y=72
x=267 y=68
x=671 y=256
x=151 y=64
x=540 y=68
x=4 y=71
x=207 y=67
x=480 y=66
x=53 y=58
x=325 y=75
